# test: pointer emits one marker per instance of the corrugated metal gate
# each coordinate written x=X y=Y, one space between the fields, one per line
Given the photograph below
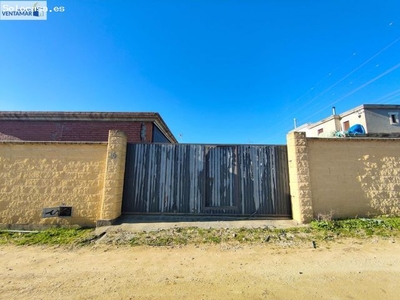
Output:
x=207 y=179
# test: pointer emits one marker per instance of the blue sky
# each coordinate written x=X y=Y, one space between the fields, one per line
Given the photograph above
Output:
x=220 y=71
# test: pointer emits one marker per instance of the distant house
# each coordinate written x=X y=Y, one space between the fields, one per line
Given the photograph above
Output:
x=140 y=127
x=378 y=120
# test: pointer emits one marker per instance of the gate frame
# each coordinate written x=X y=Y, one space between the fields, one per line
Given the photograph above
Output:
x=264 y=206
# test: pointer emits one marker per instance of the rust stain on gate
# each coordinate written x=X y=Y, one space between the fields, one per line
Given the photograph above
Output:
x=207 y=179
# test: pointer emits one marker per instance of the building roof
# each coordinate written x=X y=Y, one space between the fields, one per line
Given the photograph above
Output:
x=370 y=106
x=348 y=112
x=89 y=116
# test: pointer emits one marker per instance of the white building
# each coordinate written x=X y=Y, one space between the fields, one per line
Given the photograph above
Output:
x=380 y=120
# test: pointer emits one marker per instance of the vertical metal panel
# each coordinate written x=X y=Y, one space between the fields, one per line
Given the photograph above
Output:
x=163 y=178
x=221 y=178
x=242 y=179
x=264 y=180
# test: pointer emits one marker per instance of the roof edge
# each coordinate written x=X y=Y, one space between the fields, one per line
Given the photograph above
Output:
x=74 y=116
x=89 y=116
x=162 y=126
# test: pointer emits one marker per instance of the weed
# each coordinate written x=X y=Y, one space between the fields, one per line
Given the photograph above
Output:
x=54 y=236
x=318 y=230
x=361 y=227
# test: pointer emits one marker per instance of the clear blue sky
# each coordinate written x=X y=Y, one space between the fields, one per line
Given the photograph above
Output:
x=218 y=71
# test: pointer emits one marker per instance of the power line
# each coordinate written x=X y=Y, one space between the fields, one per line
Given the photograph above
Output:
x=349 y=74
x=326 y=76
x=387 y=97
x=336 y=83
x=357 y=89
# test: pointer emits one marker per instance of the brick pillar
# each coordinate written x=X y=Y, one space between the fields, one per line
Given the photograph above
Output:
x=113 y=178
x=299 y=177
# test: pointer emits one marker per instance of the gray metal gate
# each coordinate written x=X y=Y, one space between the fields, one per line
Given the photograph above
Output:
x=207 y=179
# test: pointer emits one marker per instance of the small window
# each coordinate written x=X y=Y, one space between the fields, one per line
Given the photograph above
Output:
x=346 y=125
x=320 y=131
x=394 y=118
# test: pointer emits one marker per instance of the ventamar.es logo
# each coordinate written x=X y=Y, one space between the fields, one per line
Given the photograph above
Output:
x=23 y=10
x=38 y=11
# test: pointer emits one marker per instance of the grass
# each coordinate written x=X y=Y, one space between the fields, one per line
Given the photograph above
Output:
x=51 y=237
x=357 y=228
x=316 y=232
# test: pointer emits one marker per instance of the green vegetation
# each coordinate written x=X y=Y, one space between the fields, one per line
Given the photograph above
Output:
x=316 y=233
x=357 y=228
x=51 y=237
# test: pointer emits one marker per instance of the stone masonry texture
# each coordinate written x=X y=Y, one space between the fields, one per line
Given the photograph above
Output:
x=114 y=176
x=38 y=175
x=299 y=177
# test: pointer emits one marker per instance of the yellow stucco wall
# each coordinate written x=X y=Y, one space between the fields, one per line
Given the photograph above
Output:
x=114 y=177
x=355 y=177
x=343 y=178
x=36 y=175
x=299 y=177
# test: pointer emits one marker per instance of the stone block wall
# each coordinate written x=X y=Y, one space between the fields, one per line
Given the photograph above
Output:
x=36 y=175
x=347 y=178
x=299 y=177
x=114 y=177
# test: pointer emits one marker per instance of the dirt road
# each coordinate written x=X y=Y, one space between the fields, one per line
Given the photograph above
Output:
x=346 y=270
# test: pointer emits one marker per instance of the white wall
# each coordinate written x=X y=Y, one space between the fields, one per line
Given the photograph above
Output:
x=354 y=118
x=328 y=126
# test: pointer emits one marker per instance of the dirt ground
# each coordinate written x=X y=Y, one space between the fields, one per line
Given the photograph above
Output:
x=349 y=269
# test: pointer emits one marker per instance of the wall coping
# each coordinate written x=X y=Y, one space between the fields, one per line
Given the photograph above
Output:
x=347 y=139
